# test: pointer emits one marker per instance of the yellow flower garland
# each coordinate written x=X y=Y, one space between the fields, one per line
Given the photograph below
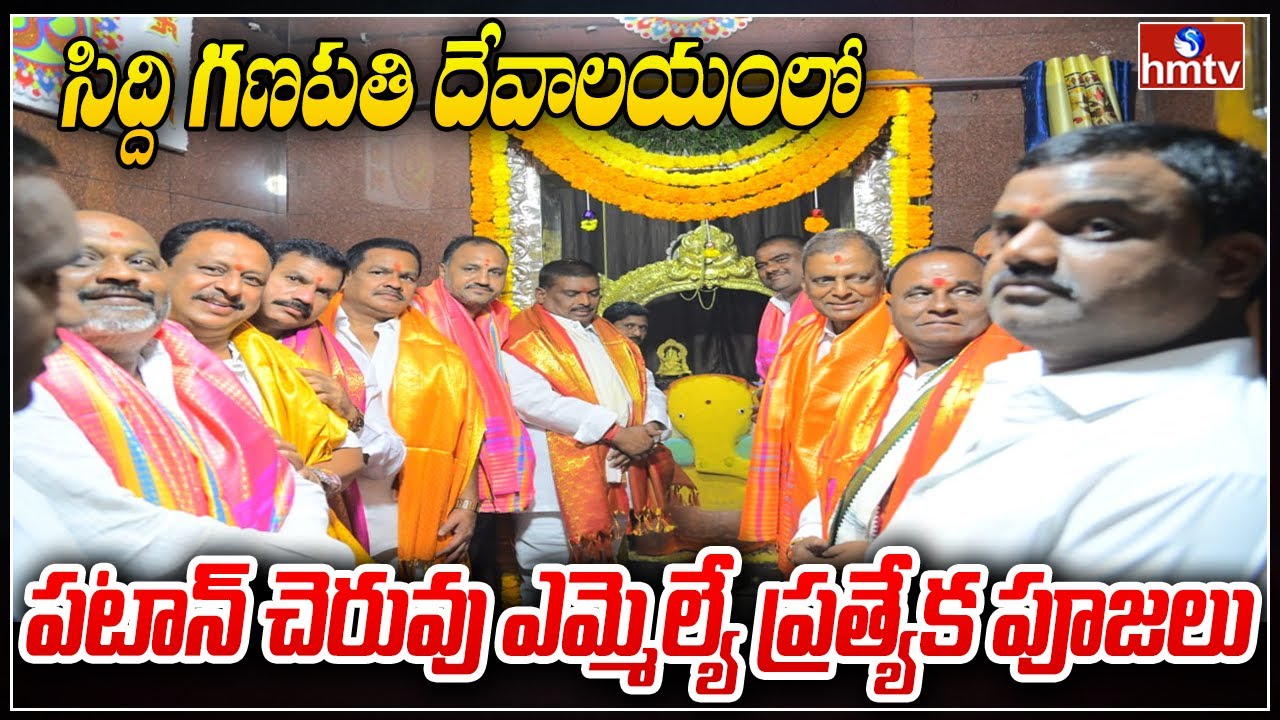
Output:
x=775 y=169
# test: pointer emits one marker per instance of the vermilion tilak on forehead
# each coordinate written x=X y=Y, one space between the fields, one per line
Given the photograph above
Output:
x=398 y=267
x=115 y=234
x=838 y=257
x=238 y=267
x=939 y=282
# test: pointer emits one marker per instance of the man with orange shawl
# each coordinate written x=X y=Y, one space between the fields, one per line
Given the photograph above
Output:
x=462 y=304
x=307 y=276
x=596 y=420
x=217 y=270
x=905 y=407
x=778 y=264
x=144 y=443
x=817 y=363
x=427 y=513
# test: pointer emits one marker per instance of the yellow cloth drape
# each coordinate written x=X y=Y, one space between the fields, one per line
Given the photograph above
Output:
x=291 y=408
x=435 y=405
x=1079 y=93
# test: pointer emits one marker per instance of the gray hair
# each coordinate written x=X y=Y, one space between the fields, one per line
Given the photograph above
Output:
x=829 y=241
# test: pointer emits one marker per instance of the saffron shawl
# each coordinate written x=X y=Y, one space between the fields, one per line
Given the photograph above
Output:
x=435 y=405
x=796 y=413
x=319 y=349
x=861 y=415
x=770 y=334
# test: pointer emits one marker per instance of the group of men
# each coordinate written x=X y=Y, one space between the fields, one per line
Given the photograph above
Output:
x=216 y=392
x=1110 y=423
x=1084 y=397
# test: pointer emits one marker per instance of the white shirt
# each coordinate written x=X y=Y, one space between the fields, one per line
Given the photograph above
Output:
x=383 y=444
x=1151 y=468
x=824 y=345
x=544 y=410
x=785 y=306
x=67 y=506
x=856 y=522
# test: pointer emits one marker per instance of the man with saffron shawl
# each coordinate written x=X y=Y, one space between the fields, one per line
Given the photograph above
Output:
x=427 y=513
x=217 y=270
x=819 y=359
x=463 y=305
x=905 y=407
x=596 y=420
x=778 y=264
x=144 y=443
x=307 y=276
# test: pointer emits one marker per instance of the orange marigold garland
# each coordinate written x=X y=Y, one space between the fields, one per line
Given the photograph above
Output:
x=770 y=171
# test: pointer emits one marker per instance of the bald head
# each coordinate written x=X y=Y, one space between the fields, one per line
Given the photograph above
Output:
x=105 y=225
x=120 y=281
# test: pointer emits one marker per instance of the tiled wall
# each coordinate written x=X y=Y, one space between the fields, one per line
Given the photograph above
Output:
x=222 y=174
x=412 y=182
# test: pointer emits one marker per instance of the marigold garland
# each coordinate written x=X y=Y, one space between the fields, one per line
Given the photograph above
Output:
x=768 y=172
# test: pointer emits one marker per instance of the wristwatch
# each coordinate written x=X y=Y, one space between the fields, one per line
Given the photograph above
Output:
x=464 y=504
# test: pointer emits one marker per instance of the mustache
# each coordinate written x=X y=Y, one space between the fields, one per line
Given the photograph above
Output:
x=1034 y=278
x=116 y=292
x=302 y=307
x=391 y=291
x=480 y=286
x=219 y=298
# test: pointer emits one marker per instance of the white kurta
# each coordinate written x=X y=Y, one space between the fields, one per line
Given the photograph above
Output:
x=1152 y=468
x=857 y=521
x=540 y=531
x=68 y=506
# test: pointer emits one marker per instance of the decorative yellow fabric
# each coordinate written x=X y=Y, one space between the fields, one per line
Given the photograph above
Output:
x=1079 y=93
x=291 y=408
x=435 y=405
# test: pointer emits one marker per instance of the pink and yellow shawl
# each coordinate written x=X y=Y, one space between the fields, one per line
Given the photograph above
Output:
x=506 y=457
x=224 y=466
x=770 y=335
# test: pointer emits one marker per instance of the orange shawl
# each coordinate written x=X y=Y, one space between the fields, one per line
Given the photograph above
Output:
x=435 y=405
x=796 y=414
x=862 y=411
x=588 y=503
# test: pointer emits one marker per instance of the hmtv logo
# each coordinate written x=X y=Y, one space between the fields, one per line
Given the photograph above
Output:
x=1190 y=56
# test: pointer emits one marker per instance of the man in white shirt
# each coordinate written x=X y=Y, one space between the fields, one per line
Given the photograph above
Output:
x=901 y=412
x=218 y=268
x=1132 y=445
x=307 y=275
x=779 y=267
x=144 y=502
x=426 y=513
x=45 y=238
x=595 y=418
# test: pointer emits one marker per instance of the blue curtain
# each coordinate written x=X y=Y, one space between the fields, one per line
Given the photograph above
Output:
x=1035 y=114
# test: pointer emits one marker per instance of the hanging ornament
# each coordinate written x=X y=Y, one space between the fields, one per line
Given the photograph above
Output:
x=589 y=222
x=817 y=221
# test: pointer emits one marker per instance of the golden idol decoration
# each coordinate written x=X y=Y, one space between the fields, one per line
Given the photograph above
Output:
x=704 y=259
x=673 y=359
